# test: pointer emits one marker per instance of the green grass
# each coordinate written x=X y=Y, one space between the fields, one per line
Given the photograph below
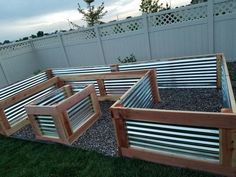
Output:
x=20 y=158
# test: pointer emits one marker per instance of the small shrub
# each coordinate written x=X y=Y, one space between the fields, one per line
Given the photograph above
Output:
x=37 y=72
x=128 y=59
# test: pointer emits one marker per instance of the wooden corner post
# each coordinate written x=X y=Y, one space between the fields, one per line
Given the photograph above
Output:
x=154 y=86
x=120 y=130
x=218 y=70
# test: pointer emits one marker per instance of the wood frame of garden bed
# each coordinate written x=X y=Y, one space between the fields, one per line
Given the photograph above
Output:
x=7 y=129
x=60 y=116
x=224 y=121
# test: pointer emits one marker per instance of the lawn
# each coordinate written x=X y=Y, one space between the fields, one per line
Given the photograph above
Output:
x=26 y=159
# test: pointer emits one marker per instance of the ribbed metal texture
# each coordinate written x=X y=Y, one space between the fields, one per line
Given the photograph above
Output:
x=80 y=113
x=181 y=73
x=22 y=85
x=140 y=96
x=119 y=86
x=180 y=140
x=224 y=89
x=47 y=125
x=66 y=71
x=52 y=98
x=16 y=112
x=77 y=85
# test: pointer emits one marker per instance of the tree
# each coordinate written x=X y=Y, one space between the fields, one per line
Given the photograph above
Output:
x=197 y=1
x=92 y=15
x=151 y=6
x=6 y=42
x=40 y=33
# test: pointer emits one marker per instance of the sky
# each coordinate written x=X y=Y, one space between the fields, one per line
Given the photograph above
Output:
x=20 y=18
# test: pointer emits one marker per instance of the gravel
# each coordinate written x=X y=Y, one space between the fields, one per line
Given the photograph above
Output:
x=206 y=100
x=101 y=137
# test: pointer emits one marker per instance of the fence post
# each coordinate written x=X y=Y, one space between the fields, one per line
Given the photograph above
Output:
x=210 y=23
x=63 y=49
x=100 y=44
x=4 y=74
x=146 y=33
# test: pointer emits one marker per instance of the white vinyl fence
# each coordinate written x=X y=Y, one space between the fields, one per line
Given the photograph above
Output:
x=191 y=30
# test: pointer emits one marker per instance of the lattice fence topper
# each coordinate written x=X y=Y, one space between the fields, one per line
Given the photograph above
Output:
x=50 y=41
x=178 y=16
x=15 y=48
x=120 y=28
x=225 y=7
x=79 y=35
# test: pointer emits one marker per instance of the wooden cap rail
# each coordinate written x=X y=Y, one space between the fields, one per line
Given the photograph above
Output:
x=67 y=118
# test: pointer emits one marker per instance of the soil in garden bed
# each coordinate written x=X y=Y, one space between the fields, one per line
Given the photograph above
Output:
x=206 y=100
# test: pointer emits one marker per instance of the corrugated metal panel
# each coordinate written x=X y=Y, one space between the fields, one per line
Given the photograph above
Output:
x=22 y=85
x=76 y=85
x=181 y=140
x=119 y=86
x=80 y=112
x=52 y=98
x=181 y=73
x=140 y=96
x=16 y=112
x=224 y=89
x=47 y=125
x=66 y=71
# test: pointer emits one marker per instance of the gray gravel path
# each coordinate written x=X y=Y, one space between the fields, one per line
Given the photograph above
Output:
x=101 y=137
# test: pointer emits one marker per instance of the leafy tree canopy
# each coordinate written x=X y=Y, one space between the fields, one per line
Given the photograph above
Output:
x=152 y=6
x=92 y=15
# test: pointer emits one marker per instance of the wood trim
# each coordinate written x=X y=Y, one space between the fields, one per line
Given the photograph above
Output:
x=202 y=119
x=68 y=90
x=34 y=125
x=83 y=128
x=39 y=110
x=119 y=125
x=154 y=86
x=4 y=121
x=230 y=90
x=28 y=92
x=104 y=76
x=226 y=147
x=101 y=87
x=67 y=103
x=17 y=127
x=115 y=68
x=49 y=73
x=109 y=98
x=218 y=70
x=178 y=161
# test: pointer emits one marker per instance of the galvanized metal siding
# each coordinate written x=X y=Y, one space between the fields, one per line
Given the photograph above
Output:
x=119 y=86
x=80 y=70
x=224 y=89
x=22 y=85
x=80 y=112
x=140 y=96
x=16 y=112
x=182 y=73
x=47 y=125
x=195 y=142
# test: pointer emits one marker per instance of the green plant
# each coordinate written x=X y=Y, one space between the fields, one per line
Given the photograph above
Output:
x=128 y=59
x=37 y=72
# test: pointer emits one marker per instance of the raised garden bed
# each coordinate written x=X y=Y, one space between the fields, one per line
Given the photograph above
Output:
x=195 y=136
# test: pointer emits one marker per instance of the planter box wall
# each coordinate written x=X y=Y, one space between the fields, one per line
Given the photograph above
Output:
x=63 y=116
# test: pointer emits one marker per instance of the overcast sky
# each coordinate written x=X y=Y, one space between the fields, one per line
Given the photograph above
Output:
x=19 y=18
